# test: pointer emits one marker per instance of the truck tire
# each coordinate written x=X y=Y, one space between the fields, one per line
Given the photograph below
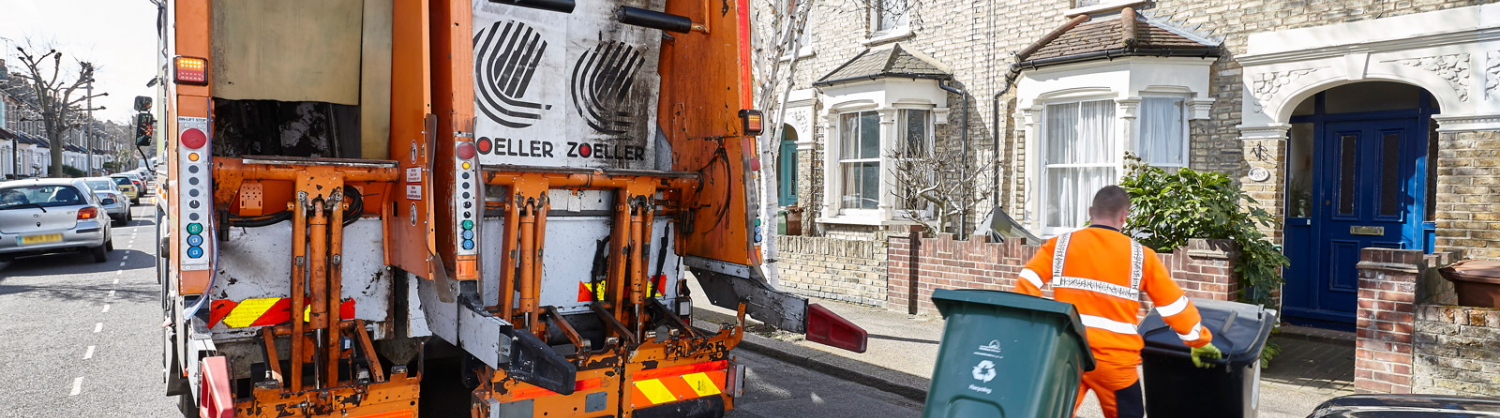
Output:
x=187 y=406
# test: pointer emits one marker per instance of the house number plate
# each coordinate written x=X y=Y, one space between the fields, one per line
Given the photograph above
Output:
x=1367 y=230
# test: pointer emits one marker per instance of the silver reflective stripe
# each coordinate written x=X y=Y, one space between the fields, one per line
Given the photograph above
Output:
x=1096 y=286
x=1190 y=336
x=1174 y=308
x=1032 y=277
x=1060 y=254
x=1107 y=324
x=1137 y=258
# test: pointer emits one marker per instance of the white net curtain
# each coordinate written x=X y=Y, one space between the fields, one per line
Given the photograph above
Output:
x=1080 y=158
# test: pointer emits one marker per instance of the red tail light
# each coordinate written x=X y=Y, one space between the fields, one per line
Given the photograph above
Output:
x=190 y=70
x=88 y=213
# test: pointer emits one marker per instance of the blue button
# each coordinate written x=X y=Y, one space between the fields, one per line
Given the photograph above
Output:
x=468 y=244
x=468 y=235
x=757 y=237
x=195 y=252
x=195 y=240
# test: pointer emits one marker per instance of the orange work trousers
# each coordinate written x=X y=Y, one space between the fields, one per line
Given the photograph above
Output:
x=1118 y=388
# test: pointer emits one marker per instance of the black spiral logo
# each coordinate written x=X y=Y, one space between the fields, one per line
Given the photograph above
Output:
x=602 y=79
x=508 y=54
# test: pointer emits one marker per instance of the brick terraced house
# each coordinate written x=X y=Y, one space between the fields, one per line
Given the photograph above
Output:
x=1358 y=124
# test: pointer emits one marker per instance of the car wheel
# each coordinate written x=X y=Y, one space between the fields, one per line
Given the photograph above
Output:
x=109 y=245
x=118 y=222
x=100 y=253
x=129 y=215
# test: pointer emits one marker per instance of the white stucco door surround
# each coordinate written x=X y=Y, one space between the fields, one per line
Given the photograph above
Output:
x=1453 y=54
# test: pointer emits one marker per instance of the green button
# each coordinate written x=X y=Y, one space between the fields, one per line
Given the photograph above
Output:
x=757 y=221
x=468 y=224
x=195 y=228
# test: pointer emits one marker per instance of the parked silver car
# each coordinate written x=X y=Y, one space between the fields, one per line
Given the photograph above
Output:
x=43 y=216
x=113 y=200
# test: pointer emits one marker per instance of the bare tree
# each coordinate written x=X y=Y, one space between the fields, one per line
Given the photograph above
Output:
x=58 y=101
x=930 y=187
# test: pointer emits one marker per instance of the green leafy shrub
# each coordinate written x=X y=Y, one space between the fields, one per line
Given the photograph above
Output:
x=72 y=171
x=1168 y=208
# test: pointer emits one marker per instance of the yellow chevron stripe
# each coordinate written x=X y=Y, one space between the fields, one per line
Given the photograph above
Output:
x=248 y=311
x=655 y=391
x=701 y=384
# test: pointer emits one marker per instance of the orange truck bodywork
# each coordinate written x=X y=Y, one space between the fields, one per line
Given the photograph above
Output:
x=461 y=243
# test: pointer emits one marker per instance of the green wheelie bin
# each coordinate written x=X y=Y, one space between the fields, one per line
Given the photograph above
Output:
x=1006 y=355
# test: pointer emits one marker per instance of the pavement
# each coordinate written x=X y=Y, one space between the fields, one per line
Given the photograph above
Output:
x=901 y=355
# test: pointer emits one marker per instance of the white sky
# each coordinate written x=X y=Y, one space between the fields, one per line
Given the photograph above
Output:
x=118 y=36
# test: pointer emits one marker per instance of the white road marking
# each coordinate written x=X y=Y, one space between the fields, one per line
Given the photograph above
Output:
x=111 y=293
x=77 y=386
x=117 y=279
x=117 y=273
x=122 y=259
x=89 y=354
x=98 y=326
x=122 y=264
x=106 y=308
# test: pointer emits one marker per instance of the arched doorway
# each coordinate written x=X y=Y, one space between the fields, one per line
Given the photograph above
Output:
x=786 y=167
x=1359 y=174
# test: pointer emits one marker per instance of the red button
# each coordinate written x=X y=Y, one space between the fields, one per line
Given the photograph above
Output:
x=194 y=138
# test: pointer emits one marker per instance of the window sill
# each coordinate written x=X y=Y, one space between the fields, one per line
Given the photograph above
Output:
x=892 y=36
x=861 y=219
x=802 y=53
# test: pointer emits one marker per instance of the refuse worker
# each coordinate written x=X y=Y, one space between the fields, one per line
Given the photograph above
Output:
x=1102 y=272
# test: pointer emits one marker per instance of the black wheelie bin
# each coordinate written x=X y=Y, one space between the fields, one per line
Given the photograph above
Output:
x=1231 y=388
x=1006 y=355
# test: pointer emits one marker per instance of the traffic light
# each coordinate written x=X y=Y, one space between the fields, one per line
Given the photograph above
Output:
x=145 y=128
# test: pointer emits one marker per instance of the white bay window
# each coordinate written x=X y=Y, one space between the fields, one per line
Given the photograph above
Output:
x=1080 y=120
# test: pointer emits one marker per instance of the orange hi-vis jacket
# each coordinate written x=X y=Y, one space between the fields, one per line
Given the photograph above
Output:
x=1102 y=272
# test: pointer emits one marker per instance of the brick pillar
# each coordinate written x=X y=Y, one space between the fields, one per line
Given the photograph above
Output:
x=1205 y=268
x=902 y=278
x=1387 y=303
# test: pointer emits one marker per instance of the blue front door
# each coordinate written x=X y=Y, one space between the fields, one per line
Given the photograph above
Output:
x=1365 y=193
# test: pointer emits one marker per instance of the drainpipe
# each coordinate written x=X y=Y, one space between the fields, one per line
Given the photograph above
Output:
x=963 y=167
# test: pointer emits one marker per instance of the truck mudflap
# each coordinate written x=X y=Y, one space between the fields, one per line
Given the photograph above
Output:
x=729 y=285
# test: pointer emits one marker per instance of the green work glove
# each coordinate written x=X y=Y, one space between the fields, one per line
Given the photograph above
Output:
x=1207 y=350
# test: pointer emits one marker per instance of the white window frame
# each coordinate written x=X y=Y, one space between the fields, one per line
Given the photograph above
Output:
x=879 y=159
x=1115 y=162
x=901 y=143
x=1138 y=134
x=902 y=25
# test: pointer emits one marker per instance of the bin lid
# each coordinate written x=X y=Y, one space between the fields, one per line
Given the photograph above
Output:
x=1239 y=330
x=946 y=299
x=1482 y=271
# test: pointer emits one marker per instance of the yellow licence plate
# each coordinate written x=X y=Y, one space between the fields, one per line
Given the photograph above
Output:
x=41 y=239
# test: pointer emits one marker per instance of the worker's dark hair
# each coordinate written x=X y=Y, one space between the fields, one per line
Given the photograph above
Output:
x=1109 y=201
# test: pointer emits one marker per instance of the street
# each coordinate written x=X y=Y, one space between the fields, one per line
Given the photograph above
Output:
x=84 y=339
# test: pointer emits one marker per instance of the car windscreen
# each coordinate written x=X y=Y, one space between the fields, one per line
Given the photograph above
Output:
x=121 y=181
x=100 y=185
x=45 y=196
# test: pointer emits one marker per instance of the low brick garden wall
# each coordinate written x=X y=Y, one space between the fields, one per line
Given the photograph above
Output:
x=1457 y=351
x=831 y=268
x=918 y=265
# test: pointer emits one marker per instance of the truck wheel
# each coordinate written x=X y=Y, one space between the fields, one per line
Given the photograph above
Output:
x=186 y=405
